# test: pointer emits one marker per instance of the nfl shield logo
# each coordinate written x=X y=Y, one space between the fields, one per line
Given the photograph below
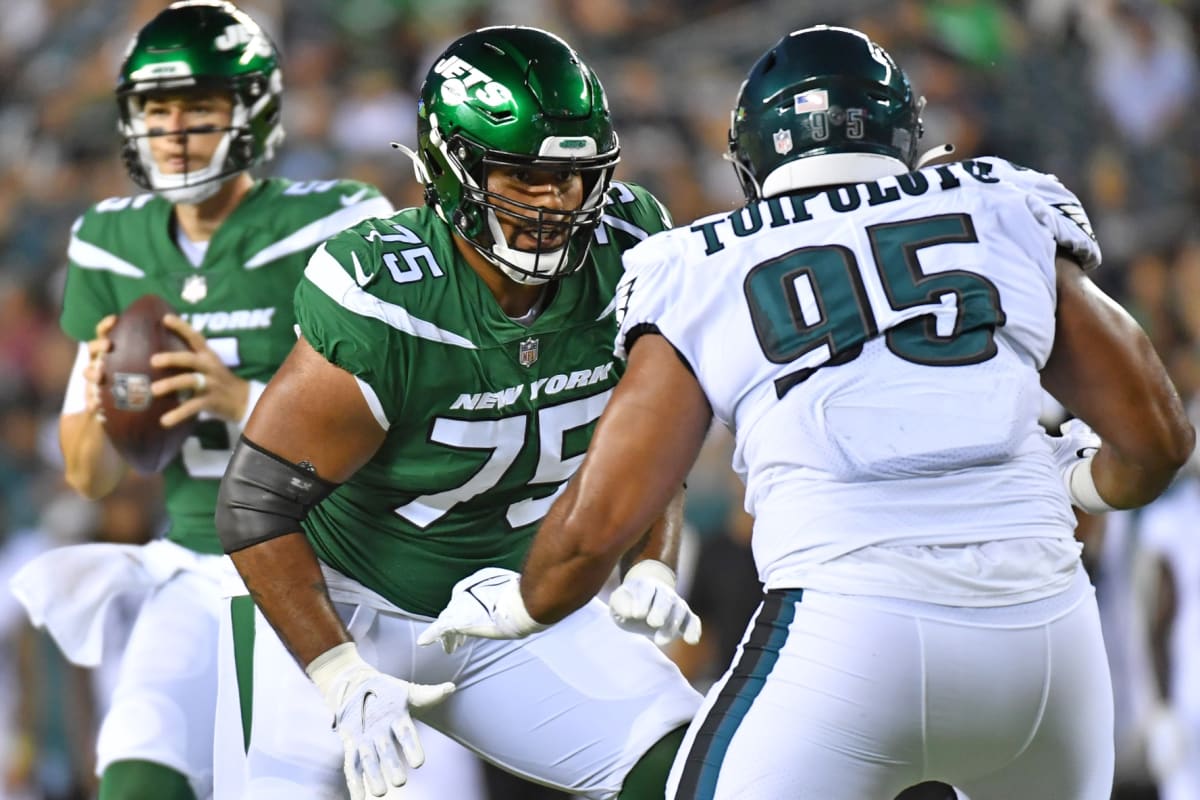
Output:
x=195 y=289
x=528 y=352
x=783 y=141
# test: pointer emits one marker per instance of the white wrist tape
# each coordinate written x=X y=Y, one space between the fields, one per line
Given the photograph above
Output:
x=326 y=668
x=652 y=570
x=1081 y=486
x=511 y=604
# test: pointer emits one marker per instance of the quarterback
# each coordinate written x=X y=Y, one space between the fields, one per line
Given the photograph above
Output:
x=876 y=333
x=452 y=364
x=199 y=97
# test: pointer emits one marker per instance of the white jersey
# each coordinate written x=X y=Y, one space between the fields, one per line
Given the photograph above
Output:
x=875 y=349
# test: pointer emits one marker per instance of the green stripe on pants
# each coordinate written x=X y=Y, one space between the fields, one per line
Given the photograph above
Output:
x=241 y=611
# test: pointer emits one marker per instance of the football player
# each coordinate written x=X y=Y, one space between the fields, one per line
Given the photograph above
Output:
x=452 y=363
x=876 y=333
x=199 y=98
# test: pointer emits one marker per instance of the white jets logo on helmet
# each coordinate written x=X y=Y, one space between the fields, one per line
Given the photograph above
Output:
x=461 y=77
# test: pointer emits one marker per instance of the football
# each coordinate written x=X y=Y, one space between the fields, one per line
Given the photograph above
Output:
x=131 y=413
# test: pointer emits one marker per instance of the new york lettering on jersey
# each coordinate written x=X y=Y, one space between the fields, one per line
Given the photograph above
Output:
x=487 y=418
x=123 y=248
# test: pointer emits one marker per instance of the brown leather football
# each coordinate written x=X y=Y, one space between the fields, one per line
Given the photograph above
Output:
x=131 y=413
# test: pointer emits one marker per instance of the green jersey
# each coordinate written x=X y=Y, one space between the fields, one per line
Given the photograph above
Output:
x=239 y=297
x=486 y=418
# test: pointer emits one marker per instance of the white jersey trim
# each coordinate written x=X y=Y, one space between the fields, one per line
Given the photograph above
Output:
x=89 y=256
x=625 y=225
x=320 y=230
x=328 y=275
x=373 y=403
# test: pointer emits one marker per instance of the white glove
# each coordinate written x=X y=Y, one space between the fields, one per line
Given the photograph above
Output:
x=1075 y=442
x=646 y=602
x=486 y=604
x=1073 y=450
x=371 y=715
x=1166 y=741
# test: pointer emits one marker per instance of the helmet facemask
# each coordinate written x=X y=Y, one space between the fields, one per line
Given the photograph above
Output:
x=477 y=217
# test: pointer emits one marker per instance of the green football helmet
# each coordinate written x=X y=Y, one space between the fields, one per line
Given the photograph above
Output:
x=514 y=97
x=824 y=106
x=206 y=45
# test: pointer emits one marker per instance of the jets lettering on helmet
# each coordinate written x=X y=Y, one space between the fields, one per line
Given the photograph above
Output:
x=554 y=384
x=461 y=77
x=236 y=35
x=162 y=70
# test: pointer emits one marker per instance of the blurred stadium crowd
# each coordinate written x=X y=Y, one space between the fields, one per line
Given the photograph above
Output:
x=1100 y=92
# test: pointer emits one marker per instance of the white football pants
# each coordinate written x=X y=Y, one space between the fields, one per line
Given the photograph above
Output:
x=844 y=697
x=574 y=707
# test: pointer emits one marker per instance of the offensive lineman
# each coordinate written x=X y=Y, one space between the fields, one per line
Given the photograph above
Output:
x=453 y=361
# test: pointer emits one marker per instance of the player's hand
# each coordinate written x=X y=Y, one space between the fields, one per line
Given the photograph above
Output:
x=1073 y=449
x=1167 y=741
x=486 y=604
x=93 y=373
x=646 y=602
x=371 y=714
x=1075 y=442
x=213 y=387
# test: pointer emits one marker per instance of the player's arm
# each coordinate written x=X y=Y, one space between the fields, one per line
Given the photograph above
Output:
x=661 y=542
x=648 y=601
x=1104 y=370
x=312 y=413
x=91 y=465
x=645 y=442
x=311 y=430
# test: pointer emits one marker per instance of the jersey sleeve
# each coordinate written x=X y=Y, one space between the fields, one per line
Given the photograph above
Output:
x=647 y=293
x=636 y=206
x=1058 y=210
x=88 y=294
x=361 y=201
x=339 y=317
x=314 y=211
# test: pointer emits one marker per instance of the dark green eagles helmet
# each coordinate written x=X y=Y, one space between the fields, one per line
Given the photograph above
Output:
x=514 y=96
x=823 y=106
x=202 y=44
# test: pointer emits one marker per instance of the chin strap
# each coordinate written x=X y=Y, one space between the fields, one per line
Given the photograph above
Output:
x=933 y=154
x=741 y=168
x=418 y=168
